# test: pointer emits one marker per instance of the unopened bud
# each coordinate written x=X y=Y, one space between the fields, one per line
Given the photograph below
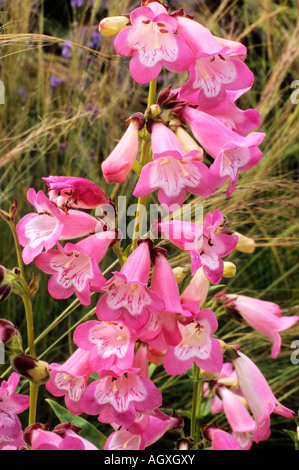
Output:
x=112 y=25
x=34 y=285
x=188 y=143
x=2 y=273
x=208 y=375
x=36 y=371
x=229 y=269
x=185 y=443
x=180 y=273
x=153 y=111
x=5 y=290
x=11 y=337
x=245 y=244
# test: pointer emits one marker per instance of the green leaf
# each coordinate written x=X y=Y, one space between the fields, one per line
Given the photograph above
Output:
x=292 y=434
x=88 y=431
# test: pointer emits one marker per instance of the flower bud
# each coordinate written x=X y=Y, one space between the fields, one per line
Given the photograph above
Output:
x=229 y=269
x=11 y=337
x=2 y=273
x=208 y=375
x=185 y=443
x=180 y=273
x=245 y=244
x=36 y=371
x=5 y=290
x=188 y=143
x=153 y=111
x=112 y=25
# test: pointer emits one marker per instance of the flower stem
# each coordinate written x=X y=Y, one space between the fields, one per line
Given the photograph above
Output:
x=195 y=399
x=144 y=159
x=26 y=298
x=33 y=403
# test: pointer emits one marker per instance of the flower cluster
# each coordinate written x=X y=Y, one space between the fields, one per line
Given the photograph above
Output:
x=195 y=140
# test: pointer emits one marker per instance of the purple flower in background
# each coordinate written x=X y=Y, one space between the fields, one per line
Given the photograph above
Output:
x=94 y=40
x=54 y=81
x=67 y=50
x=23 y=90
x=77 y=3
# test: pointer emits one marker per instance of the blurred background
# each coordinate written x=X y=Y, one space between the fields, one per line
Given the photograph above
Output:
x=67 y=96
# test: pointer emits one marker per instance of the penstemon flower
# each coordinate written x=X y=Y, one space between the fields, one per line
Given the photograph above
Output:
x=126 y=296
x=11 y=405
x=74 y=267
x=118 y=397
x=42 y=230
x=172 y=171
x=205 y=245
x=152 y=42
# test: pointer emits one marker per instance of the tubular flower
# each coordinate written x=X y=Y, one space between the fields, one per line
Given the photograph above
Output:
x=126 y=296
x=263 y=316
x=110 y=344
x=206 y=247
x=152 y=43
x=67 y=192
x=217 y=66
x=70 y=379
x=74 y=268
x=197 y=345
x=11 y=404
x=118 y=397
x=258 y=395
x=42 y=230
x=121 y=160
x=64 y=437
x=173 y=172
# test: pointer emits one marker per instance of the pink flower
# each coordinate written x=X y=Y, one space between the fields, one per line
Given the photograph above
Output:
x=227 y=112
x=206 y=247
x=263 y=316
x=217 y=66
x=173 y=172
x=11 y=404
x=241 y=422
x=74 y=268
x=119 y=397
x=157 y=426
x=232 y=152
x=197 y=289
x=110 y=344
x=126 y=296
x=197 y=345
x=68 y=191
x=226 y=378
x=258 y=395
x=70 y=379
x=163 y=329
x=152 y=42
x=221 y=440
x=64 y=437
x=42 y=230
x=121 y=160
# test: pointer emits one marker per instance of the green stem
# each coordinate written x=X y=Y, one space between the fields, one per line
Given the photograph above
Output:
x=196 y=389
x=18 y=248
x=144 y=159
x=33 y=403
x=29 y=322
